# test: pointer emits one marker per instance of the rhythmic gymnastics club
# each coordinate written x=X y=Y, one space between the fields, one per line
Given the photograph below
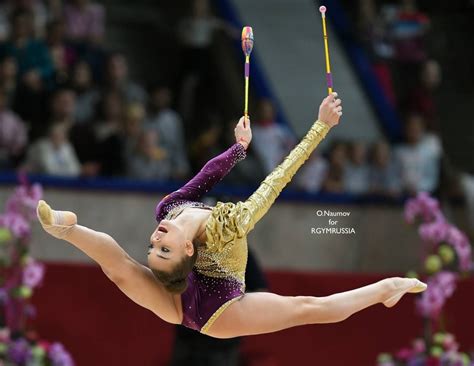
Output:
x=322 y=9
x=247 y=46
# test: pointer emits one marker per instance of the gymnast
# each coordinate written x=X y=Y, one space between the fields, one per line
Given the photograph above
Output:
x=198 y=254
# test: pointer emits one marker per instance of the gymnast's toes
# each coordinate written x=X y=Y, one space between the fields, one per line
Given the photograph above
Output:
x=44 y=213
x=400 y=286
x=48 y=216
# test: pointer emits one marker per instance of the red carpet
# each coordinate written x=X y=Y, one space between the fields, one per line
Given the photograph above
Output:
x=78 y=306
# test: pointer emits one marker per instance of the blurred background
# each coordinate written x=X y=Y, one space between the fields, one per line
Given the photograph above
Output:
x=110 y=105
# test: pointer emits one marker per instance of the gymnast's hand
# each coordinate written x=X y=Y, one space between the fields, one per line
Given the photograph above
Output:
x=330 y=110
x=243 y=133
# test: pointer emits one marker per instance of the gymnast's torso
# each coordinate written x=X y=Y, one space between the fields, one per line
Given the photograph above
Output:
x=218 y=277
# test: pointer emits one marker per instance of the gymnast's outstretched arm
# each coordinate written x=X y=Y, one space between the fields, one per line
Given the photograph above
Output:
x=257 y=205
x=134 y=279
x=212 y=172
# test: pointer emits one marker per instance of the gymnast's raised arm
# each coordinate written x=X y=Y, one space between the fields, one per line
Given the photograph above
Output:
x=132 y=278
x=213 y=172
x=255 y=207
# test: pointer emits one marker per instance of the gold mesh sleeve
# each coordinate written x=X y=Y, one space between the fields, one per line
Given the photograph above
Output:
x=257 y=205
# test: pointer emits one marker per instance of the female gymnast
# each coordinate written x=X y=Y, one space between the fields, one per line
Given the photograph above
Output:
x=198 y=254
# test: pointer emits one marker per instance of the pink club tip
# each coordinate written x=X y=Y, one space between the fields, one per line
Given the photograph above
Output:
x=322 y=9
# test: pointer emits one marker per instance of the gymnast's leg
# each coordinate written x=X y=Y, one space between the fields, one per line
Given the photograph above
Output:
x=132 y=278
x=98 y=246
x=258 y=313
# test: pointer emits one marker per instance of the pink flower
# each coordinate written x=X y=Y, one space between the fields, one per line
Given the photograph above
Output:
x=404 y=354
x=16 y=223
x=419 y=345
x=430 y=303
x=446 y=281
x=450 y=344
x=460 y=243
x=24 y=200
x=423 y=206
x=440 y=287
x=4 y=335
x=434 y=232
x=44 y=345
x=33 y=274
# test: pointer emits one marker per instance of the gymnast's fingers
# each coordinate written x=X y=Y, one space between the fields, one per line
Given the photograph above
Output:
x=247 y=123
x=330 y=98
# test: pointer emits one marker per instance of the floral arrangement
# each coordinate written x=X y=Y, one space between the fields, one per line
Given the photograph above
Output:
x=446 y=258
x=444 y=351
x=19 y=275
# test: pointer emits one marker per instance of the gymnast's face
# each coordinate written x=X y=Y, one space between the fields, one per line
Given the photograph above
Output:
x=168 y=246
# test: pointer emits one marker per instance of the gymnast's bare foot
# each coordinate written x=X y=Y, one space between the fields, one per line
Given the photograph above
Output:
x=56 y=223
x=397 y=287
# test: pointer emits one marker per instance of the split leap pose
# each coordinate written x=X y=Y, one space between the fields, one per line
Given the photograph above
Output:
x=198 y=254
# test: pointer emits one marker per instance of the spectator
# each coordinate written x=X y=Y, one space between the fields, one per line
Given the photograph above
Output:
x=197 y=30
x=419 y=157
x=169 y=126
x=197 y=34
x=272 y=141
x=85 y=21
x=356 y=171
x=13 y=135
x=62 y=111
x=149 y=161
x=32 y=57
x=63 y=106
x=54 y=154
x=108 y=137
x=8 y=79
x=133 y=126
x=312 y=174
x=384 y=179
x=62 y=54
x=408 y=31
x=334 y=182
x=117 y=80
x=36 y=7
x=206 y=145
x=87 y=96
x=422 y=98
x=374 y=33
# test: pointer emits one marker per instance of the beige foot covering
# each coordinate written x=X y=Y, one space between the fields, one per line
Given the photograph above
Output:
x=413 y=286
x=56 y=223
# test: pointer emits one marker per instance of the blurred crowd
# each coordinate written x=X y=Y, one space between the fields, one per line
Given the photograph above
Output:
x=68 y=106
x=396 y=36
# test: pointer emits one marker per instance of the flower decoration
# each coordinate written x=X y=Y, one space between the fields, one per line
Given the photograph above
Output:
x=447 y=256
x=19 y=276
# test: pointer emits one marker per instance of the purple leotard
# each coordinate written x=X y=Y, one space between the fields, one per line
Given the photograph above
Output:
x=204 y=295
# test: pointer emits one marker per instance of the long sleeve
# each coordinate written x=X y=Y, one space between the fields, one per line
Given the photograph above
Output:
x=212 y=173
x=229 y=223
x=257 y=205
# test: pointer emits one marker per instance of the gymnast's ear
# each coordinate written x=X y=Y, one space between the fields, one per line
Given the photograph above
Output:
x=189 y=248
